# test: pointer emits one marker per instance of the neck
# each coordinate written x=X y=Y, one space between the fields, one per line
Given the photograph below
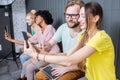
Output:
x=33 y=25
x=92 y=31
x=43 y=26
x=74 y=31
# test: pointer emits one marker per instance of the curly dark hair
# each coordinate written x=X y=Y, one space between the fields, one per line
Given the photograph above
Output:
x=46 y=15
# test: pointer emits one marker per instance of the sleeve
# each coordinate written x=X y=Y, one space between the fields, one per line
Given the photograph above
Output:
x=50 y=33
x=100 y=42
x=33 y=39
x=58 y=35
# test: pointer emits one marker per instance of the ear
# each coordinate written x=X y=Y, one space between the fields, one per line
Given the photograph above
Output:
x=96 y=18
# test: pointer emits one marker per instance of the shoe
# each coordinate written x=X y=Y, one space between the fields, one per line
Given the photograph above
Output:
x=24 y=78
x=19 y=78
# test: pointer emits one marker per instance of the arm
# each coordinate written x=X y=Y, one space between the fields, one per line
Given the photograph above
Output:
x=48 y=45
x=70 y=60
x=72 y=68
x=49 y=41
x=75 y=48
x=54 y=39
x=16 y=41
x=8 y=37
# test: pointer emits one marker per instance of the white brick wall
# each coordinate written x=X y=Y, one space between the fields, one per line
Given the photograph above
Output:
x=19 y=22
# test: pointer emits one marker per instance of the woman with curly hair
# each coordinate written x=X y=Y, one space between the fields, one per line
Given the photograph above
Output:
x=44 y=20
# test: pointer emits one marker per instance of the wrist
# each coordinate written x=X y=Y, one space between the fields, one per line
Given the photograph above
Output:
x=11 y=40
x=41 y=57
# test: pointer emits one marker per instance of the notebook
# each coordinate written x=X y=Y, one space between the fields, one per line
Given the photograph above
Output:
x=47 y=70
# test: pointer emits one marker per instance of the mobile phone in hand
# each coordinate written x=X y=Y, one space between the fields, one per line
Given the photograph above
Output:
x=25 y=38
x=6 y=28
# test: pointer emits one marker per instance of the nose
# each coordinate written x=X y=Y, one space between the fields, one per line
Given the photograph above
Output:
x=79 y=19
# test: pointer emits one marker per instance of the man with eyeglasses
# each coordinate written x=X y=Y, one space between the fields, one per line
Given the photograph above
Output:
x=67 y=34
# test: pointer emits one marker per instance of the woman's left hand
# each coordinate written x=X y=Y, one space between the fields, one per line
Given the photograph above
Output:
x=31 y=51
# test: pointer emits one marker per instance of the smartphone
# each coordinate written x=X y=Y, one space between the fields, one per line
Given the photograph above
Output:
x=6 y=28
x=25 y=38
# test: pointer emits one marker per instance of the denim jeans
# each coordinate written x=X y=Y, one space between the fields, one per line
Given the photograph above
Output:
x=23 y=58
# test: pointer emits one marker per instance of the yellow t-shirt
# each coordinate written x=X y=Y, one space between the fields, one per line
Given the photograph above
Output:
x=100 y=65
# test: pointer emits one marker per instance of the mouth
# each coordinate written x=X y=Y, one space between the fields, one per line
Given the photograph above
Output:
x=70 y=21
x=81 y=24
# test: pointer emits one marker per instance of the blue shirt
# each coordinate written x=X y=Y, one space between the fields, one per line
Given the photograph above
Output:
x=63 y=34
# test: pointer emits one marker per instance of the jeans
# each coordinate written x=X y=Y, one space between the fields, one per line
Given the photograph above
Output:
x=23 y=58
x=31 y=65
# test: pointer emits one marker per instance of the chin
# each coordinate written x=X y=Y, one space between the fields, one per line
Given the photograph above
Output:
x=71 y=27
x=82 y=27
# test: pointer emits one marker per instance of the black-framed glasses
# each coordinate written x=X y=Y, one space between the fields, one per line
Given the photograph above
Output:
x=73 y=16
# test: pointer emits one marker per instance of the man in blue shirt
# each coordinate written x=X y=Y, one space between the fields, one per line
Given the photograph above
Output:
x=67 y=34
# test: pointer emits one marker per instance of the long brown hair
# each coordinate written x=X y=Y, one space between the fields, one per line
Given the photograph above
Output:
x=93 y=8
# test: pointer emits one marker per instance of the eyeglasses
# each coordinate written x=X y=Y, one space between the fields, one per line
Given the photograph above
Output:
x=73 y=16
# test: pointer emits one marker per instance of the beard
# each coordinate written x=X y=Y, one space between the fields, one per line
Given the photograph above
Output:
x=73 y=26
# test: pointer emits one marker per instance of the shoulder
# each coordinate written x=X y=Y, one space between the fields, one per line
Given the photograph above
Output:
x=101 y=41
x=50 y=27
x=63 y=27
x=102 y=35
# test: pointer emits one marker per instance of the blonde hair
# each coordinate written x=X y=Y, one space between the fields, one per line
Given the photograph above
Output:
x=32 y=14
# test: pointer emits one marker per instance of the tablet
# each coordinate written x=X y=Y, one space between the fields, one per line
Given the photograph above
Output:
x=25 y=38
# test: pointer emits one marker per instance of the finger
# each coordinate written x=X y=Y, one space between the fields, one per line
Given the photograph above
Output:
x=29 y=44
x=40 y=45
x=43 y=47
x=24 y=45
x=6 y=34
x=55 y=73
x=56 y=68
x=58 y=74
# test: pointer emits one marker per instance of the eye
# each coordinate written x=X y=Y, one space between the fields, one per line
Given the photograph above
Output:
x=73 y=16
